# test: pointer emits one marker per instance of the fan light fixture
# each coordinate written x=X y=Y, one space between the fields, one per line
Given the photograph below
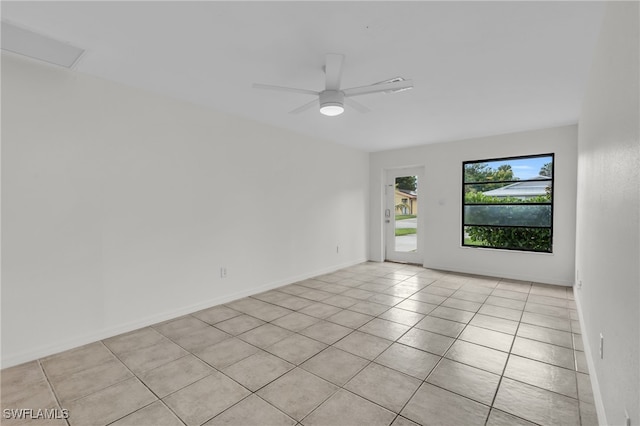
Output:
x=331 y=109
x=331 y=102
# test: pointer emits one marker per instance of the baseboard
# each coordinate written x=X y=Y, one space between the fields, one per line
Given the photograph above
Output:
x=501 y=274
x=595 y=386
x=105 y=333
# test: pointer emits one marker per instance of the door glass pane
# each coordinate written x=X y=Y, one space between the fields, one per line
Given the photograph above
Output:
x=406 y=213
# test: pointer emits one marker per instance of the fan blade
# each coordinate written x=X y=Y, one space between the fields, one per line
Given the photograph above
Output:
x=304 y=107
x=333 y=71
x=284 y=89
x=376 y=88
x=356 y=105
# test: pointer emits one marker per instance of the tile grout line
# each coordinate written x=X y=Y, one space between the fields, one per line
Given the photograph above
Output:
x=510 y=353
x=53 y=392
x=442 y=357
x=342 y=387
x=143 y=383
x=297 y=365
x=506 y=363
x=457 y=338
x=113 y=384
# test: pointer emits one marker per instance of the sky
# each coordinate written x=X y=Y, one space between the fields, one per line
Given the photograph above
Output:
x=523 y=168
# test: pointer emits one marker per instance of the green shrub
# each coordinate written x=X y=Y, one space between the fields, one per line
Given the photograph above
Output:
x=532 y=239
x=520 y=238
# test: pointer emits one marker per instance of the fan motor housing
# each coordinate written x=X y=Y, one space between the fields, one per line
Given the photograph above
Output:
x=331 y=97
x=331 y=102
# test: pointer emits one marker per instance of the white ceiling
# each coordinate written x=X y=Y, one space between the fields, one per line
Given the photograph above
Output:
x=479 y=68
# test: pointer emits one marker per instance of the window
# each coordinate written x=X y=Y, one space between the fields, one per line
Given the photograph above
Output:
x=507 y=203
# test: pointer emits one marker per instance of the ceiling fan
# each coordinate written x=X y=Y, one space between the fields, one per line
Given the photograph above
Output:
x=332 y=98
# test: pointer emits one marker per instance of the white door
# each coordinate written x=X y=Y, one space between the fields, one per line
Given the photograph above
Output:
x=401 y=216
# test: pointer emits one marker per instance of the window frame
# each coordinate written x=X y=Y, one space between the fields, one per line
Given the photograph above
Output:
x=551 y=204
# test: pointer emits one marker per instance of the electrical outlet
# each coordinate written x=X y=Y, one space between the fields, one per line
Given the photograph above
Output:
x=601 y=346
x=223 y=272
x=579 y=284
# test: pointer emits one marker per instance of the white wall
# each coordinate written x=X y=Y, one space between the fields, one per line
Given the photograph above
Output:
x=119 y=207
x=440 y=209
x=608 y=232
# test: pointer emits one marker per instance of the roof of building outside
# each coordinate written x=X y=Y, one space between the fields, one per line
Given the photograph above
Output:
x=522 y=189
x=411 y=194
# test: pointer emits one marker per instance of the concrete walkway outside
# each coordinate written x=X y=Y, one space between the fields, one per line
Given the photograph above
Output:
x=405 y=243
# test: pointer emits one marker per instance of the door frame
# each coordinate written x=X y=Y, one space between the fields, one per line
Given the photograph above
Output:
x=390 y=254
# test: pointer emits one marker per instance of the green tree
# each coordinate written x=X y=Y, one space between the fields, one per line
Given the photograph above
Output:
x=504 y=172
x=545 y=170
x=408 y=183
x=477 y=172
x=483 y=174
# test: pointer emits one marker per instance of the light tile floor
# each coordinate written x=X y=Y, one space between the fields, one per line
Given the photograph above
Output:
x=373 y=344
